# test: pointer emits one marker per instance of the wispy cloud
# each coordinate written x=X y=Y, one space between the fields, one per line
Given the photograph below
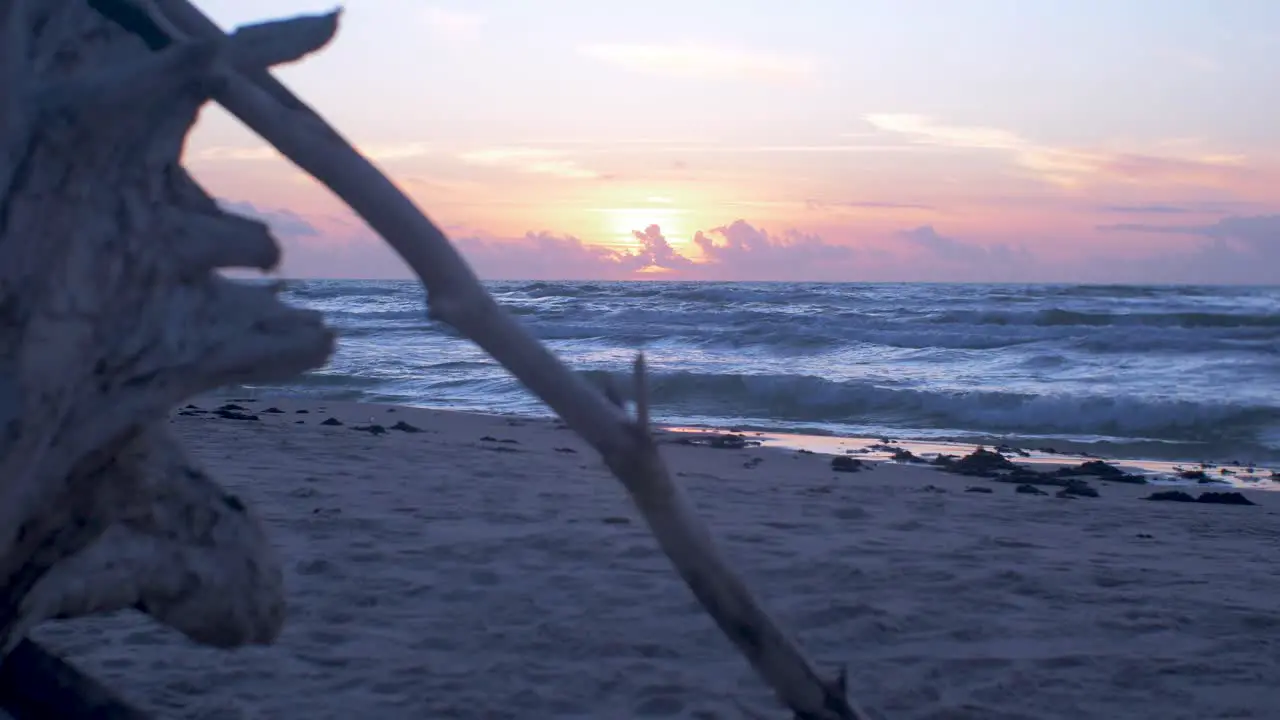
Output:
x=1192 y=207
x=876 y=143
x=395 y=151
x=1057 y=165
x=823 y=149
x=1149 y=209
x=924 y=130
x=1062 y=165
x=702 y=61
x=256 y=153
x=1253 y=229
x=863 y=205
x=234 y=154
x=453 y=25
x=534 y=161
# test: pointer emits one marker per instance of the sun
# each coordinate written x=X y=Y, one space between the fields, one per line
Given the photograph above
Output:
x=620 y=224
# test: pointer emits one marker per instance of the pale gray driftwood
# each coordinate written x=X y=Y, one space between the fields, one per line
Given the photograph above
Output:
x=111 y=312
x=182 y=549
x=456 y=297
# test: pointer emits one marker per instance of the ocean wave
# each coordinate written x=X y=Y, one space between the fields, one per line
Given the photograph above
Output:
x=1046 y=360
x=1062 y=317
x=788 y=335
x=806 y=398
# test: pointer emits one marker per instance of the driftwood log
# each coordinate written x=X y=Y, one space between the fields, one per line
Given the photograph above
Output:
x=112 y=312
x=38 y=685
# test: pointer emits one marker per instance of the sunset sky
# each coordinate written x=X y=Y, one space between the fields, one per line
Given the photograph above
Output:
x=974 y=140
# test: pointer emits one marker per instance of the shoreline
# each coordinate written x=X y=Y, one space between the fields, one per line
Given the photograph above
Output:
x=1219 y=472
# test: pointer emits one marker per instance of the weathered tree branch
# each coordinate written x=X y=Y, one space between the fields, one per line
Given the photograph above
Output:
x=111 y=312
x=15 y=121
x=457 y=298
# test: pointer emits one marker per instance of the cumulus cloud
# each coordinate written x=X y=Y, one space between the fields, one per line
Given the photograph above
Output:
x=656 y=252
x=543 y=256
x=736 y=251
x=284 y=223
x=322 y=246
x=937 y=257
x=742 y=250
x=1234 y=249
x=1261 y=232
x=928 y=240
x=340 y=247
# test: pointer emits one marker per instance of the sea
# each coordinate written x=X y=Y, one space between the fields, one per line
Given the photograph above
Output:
x=1170 y=372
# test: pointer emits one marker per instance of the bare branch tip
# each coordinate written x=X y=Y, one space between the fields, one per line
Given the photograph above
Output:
x=640 y=388
x=332 y=20
x=276 y=42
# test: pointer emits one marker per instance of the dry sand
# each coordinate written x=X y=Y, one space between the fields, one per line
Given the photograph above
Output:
x=440 y=575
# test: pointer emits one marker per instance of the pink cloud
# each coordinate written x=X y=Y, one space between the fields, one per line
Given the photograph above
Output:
x=1234 y=249
x=543 y=256
x=741 y=250
x=1167 y=164
x=929 y=243
x=1243 y=249
x=737 y=251
x=1154 y=170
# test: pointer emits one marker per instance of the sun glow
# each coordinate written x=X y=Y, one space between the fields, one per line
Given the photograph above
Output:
x=619 y=225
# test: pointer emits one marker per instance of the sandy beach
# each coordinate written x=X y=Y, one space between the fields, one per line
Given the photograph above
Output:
x=472 y=566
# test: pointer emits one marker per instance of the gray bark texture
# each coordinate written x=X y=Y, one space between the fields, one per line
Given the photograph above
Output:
x=111 y=312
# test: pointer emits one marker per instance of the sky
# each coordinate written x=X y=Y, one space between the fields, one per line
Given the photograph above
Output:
x=825 y=140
